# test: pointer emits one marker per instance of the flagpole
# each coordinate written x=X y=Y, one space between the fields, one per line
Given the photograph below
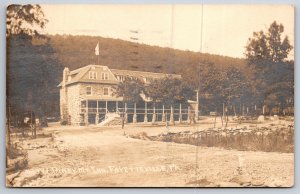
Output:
x=97 y=52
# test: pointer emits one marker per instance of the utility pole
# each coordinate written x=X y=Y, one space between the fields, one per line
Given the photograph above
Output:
x=135 y=39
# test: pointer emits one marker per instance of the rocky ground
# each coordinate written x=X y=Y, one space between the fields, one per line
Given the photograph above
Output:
x=108 y=157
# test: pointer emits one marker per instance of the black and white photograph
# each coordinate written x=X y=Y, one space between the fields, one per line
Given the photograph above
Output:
x=149 y=95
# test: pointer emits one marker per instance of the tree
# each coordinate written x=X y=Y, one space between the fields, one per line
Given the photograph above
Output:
x=268 y=46
x=228 y=87
x=24 y=20
x=169 y=91
x=267 y=54
x=32 y=66
x=130 y=90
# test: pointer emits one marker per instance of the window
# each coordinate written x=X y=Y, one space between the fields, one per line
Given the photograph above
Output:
x=106 y=91
x=92 y=75
x=120 y=78
x=88 y=90
x=104 y=76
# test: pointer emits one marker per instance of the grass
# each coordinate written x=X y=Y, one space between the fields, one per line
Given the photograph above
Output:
x=17 y=159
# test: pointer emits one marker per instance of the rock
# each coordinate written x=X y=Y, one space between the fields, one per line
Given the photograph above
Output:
x=261 y=118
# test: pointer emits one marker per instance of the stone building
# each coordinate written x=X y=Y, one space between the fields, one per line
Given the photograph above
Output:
x=87 y=94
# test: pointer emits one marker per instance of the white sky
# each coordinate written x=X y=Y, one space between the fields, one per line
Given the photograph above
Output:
x=225 y=28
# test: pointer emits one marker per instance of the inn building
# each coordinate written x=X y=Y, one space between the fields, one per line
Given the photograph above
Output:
x=87 y=94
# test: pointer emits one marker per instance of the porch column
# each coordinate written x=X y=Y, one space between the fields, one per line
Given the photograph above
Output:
x=106 y=106
x=97 y=114
x=172 y=116
x=134 y=114
x=125 y=114
x=154 y=115
x=188 y=116
x=117 y=107
x=106 y=111
x=180 y=115
x=146 y=115
x=163 y=119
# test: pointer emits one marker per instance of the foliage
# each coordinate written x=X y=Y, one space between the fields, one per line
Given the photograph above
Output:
x=32 y=77
x=33 y=71
x=24 y=20
x=267 y=54
x=130 y=90
x=227 y=87
x=268 y=46
x=169 y=91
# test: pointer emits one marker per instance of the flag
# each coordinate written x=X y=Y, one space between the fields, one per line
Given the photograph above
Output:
x=97 y=49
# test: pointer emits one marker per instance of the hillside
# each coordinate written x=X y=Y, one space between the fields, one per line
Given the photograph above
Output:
x=34 y=67
x=78 y=51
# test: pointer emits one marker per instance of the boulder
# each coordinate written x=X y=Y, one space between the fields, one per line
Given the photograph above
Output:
x=261 y=118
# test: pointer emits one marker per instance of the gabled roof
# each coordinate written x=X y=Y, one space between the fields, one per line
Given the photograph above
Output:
x=77 y=75
x=142 y=74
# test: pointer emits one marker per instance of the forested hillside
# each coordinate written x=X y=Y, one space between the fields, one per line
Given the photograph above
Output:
x=78 y=51
x=216 y=76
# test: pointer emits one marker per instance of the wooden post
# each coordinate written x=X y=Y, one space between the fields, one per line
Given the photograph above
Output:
x=97 y=114
x=97 y=107
x=188 y=116
x=117 y=106
x=223 y=110
x=33 y=128
x=163 y=119
x=180 y=114
x=172 y=116
x=146 y=115
x=106 y=107
x=197 y=107
x=134 y=114
x=125 y=115
x=153 y=115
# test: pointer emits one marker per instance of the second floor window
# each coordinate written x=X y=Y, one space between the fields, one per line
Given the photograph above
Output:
x=88 y=90
x=92 y=75
x=105 y=91
x=104 y=76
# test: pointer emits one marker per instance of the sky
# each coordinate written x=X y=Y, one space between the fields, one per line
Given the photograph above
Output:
x=214 y=29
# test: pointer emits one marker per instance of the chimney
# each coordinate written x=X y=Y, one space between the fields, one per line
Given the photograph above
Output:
x=65 y=75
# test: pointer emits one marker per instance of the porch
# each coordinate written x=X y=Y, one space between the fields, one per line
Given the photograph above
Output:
x=95 y=111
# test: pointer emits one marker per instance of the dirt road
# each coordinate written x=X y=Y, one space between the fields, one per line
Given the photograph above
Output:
x=105 y=157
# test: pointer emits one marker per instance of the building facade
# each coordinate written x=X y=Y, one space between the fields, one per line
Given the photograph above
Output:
x=87 y=94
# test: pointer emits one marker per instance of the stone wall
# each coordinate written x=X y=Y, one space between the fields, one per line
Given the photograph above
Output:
x=73 y=103
x=63 y=104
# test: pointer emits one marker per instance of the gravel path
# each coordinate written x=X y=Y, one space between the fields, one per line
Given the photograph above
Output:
x=105 y=157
